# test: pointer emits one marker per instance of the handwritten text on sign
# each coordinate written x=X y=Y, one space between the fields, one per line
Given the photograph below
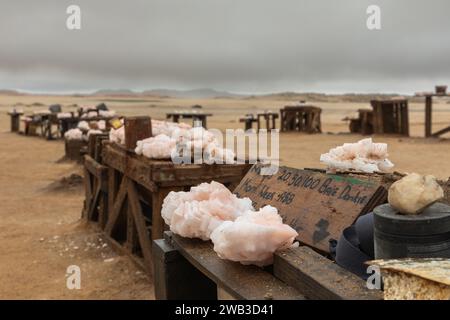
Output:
x=319 y=206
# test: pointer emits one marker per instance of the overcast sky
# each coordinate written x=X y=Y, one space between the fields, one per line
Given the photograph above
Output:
x=236 y=45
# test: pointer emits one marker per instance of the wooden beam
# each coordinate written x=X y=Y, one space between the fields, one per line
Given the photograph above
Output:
x=242 y=282
x=318 y=277
x=117 y=207
x=139 y=221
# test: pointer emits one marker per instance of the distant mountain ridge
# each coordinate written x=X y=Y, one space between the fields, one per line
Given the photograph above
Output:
x=205 y=93
x=208 y=93
x=194 y=93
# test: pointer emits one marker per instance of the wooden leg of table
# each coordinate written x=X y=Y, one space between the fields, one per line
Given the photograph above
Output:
x=428 y=118
x=175 y=278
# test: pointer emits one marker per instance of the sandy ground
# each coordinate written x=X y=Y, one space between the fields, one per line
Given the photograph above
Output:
x=41 y=234
x=40 y=231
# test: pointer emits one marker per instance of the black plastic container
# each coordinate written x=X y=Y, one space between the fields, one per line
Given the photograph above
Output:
x=426 y=235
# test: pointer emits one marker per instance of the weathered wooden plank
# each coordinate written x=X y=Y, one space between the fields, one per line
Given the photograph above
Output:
x=116 y=208
x=319 y=206
x=93 y=205
x=113 y=189
x=191 y=172
x=100 y=172
x=87 y=192
x=318 y=277
x=136 y=128
x=132 y=240
x=131 y=167
x=242 y=282
x=139 y=221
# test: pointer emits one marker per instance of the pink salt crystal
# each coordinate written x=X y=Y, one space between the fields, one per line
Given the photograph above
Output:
x=253 y=237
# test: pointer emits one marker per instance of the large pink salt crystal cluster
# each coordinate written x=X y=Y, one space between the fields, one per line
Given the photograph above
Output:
x=239 y=233
x=195 y=214
x=364 y=155
x=253 y=237
x=159 y=147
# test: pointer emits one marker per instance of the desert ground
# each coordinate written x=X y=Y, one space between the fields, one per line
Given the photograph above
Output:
x=40 y=228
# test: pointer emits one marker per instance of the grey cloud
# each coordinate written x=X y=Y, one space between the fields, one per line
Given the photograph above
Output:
x=238 y=45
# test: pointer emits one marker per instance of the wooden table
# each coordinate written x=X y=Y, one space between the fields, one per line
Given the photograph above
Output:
x=195 y=116
x=304 y=118
x=249 y=119
x=269 y=118
x=428 y=114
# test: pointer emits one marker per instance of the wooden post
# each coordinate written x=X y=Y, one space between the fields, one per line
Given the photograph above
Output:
x=428 y=112
x=136 y=128
x=175 y=278
x=15 y=121
x=91 y=146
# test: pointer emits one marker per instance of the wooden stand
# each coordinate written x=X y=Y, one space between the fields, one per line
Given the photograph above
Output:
x=390 y=116
x=301 y=118
x=269 y=119
x=363 y=124
x=248 y=120
x=136 y=190
x=195 y=116
x=46 y=123
x=128 y=206
x=429 y=114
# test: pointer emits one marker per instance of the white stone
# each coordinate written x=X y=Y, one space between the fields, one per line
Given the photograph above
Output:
x=414 y=193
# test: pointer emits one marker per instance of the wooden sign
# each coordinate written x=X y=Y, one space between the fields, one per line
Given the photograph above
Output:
x=318 y=205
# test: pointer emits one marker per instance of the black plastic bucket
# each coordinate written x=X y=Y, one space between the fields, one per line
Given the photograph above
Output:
x=426 y=235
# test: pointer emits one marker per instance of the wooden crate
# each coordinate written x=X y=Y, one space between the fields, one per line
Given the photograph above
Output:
x=137 y=187
x=301 y=118
x=390 y=116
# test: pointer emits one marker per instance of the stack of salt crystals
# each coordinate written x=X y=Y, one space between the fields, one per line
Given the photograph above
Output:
x=364 y=156
x=238 y=232
x=173 y=139
x=84 y=129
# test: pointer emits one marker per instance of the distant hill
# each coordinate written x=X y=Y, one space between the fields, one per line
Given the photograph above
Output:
x=10 y=93
x=322 y=97
x=204 y=93
x=114 y=92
